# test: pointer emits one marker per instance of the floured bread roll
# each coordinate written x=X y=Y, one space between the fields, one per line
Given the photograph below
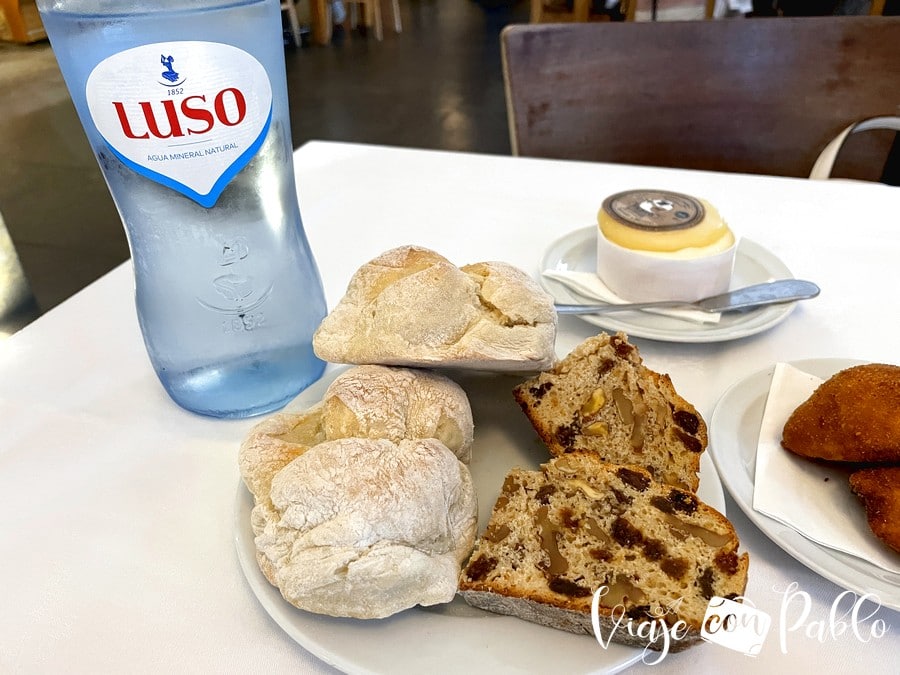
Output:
x=365 y=528
x=366 y=402
x=413 y=307
x=398 y=403
x=273 y=443
x=578 y=526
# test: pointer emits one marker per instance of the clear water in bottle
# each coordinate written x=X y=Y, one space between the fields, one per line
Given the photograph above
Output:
x=227 y=290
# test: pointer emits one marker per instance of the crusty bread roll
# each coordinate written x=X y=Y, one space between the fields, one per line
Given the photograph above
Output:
x=413 y=307
x=578 y=526
x=851 y=417
x=273 y=443
x=397 y=403
x=602 y=398
x=365 y=528
x=366 y=402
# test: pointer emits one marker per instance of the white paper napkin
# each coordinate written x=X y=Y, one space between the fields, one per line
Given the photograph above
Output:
x=590 y=285
x=814 y=500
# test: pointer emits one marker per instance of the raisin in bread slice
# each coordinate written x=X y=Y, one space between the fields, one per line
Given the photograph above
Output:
x=557 y=535
x=602 y=398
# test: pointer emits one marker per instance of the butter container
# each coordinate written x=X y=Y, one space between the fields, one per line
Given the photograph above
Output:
x=662 y=245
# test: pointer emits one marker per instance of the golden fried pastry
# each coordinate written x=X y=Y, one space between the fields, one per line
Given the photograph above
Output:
x=851 y=417
x=879 y=491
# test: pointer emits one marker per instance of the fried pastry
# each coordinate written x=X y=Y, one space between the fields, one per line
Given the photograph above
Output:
x=851 y=417
x=879 y=491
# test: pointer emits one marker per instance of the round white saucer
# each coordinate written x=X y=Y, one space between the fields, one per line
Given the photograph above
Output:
x=753 y=264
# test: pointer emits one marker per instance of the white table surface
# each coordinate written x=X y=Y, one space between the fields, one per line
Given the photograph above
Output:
x=116 y=532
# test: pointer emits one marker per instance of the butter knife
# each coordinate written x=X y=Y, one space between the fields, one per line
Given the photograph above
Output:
x=769 y=293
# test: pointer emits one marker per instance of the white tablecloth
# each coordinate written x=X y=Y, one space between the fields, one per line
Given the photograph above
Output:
x=116 y=527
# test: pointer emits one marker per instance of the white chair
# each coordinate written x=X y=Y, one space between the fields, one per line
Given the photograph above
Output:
x=290 y=7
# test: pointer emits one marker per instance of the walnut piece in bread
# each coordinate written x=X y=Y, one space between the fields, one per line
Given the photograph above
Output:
x=602 y=398
x=366 y=402
x=851 y=417
x=579 y=525
x=365 y=528
x=878 y=488
x=412 y=307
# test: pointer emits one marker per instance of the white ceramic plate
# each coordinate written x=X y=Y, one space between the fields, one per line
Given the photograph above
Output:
x=734 y=431
x=456 y=636
x=753 y=264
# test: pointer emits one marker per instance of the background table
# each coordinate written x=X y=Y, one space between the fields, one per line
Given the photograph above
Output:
x=116 y=528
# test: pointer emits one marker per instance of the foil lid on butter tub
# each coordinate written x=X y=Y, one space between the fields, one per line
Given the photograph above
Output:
x=658 y=210
x=664 y=222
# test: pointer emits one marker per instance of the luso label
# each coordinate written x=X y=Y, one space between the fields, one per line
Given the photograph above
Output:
x=186 y=114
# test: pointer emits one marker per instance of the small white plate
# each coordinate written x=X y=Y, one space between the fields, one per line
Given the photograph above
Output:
x=734 y=432
x=458 y=637
x=753 y=264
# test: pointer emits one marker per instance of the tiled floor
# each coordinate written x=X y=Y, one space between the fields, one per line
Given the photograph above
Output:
x=436 y=85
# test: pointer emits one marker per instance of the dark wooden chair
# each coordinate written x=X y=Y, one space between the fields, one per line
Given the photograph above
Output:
x=741 y=95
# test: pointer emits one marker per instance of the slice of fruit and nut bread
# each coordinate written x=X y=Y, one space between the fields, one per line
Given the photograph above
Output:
x=558 y=535
x=602 y=398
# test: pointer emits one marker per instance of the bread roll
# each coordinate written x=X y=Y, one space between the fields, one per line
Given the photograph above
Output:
x=413 y=307
x=365 y=528
x=368 y=402
x=273 y=443
x=398 y=403
x=851 y=417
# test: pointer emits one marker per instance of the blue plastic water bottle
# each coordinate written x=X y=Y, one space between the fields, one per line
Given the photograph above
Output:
x=185 y=105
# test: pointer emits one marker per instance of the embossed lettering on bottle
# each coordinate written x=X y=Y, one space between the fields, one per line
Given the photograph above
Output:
x=187 y=114
x=236 y=290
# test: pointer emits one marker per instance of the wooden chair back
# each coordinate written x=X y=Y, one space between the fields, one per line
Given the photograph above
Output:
x=742 y=95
